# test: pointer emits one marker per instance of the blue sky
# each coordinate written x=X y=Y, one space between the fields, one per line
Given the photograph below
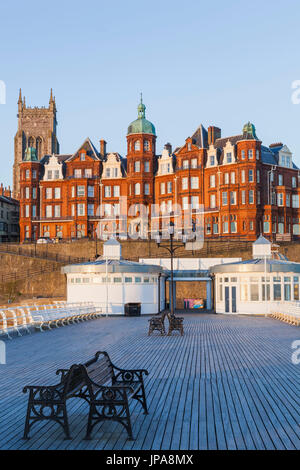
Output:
x=220 y=63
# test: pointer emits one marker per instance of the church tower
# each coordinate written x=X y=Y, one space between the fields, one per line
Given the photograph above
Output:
x=36 y=129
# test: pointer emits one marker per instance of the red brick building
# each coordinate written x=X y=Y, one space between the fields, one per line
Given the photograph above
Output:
x=244 y=187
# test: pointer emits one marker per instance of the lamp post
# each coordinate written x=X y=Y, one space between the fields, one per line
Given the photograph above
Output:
x=171 y=248
x=96 y=243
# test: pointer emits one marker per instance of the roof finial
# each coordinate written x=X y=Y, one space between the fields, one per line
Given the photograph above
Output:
x=51 y=96
x=141 y=109
x=20 y=96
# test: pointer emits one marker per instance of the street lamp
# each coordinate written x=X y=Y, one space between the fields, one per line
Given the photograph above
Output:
x=171 y=248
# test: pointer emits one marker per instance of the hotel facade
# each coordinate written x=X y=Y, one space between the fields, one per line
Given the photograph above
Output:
x=242 y=187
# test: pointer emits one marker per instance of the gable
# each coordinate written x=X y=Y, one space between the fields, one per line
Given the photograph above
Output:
x=88 y=148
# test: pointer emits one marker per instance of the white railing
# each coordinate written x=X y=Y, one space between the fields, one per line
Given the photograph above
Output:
x=45 y=316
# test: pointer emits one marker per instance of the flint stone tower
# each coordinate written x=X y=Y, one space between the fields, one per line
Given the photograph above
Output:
x=36 y=129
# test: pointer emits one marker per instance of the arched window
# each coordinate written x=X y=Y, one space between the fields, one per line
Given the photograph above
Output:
x=137 y=189
x=39 y=147
x=137 y=145
x=146 y=145
x=31 y=142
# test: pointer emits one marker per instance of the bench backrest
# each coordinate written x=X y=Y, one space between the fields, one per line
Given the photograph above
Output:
x=100 y=369
x=3 y=322
x=74 y=380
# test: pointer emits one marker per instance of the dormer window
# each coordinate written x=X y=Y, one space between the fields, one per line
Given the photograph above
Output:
x=212 y=160
x=189 y=146
x=146 y=145
x=82 y=157
x=288 y=161
x=229 y=157
x=107 y=172
x=137 y=146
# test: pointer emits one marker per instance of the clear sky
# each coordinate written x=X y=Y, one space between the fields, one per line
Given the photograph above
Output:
x=220 y=62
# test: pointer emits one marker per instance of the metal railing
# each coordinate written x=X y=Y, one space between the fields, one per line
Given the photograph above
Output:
x=33 y=252
x=27 y=273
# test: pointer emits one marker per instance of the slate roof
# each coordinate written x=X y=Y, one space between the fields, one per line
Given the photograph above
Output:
x=267 y=156
x=200 y=137
x=9 y=200
x=220 y=143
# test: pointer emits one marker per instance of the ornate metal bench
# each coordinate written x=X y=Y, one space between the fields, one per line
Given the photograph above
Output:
x=175 y=324
x=104 y=386
x=157 y=323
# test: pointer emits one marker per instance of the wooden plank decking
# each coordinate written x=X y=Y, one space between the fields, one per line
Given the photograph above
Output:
x=228 y=383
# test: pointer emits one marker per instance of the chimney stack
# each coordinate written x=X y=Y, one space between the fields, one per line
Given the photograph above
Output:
x=214 y=133
x=1 y=189
x=168 y=146
x=6 y=192
x=102 y=148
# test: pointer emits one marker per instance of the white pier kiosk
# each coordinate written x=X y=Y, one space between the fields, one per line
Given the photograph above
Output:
x=267 y=282
x=116 y=285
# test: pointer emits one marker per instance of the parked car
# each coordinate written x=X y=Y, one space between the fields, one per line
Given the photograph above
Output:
x=44 y=240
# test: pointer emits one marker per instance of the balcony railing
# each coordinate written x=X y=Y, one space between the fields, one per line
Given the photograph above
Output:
x=179 y=168
x=93 y=177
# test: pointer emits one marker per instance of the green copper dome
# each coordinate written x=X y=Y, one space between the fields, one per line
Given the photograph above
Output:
x=30 y=155
x=249 y=131
x=141 y=125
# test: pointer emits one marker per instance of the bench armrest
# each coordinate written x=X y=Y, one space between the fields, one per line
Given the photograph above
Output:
x=111 y=392
x=141 y=371
x=44 y=392
x=129 y=375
